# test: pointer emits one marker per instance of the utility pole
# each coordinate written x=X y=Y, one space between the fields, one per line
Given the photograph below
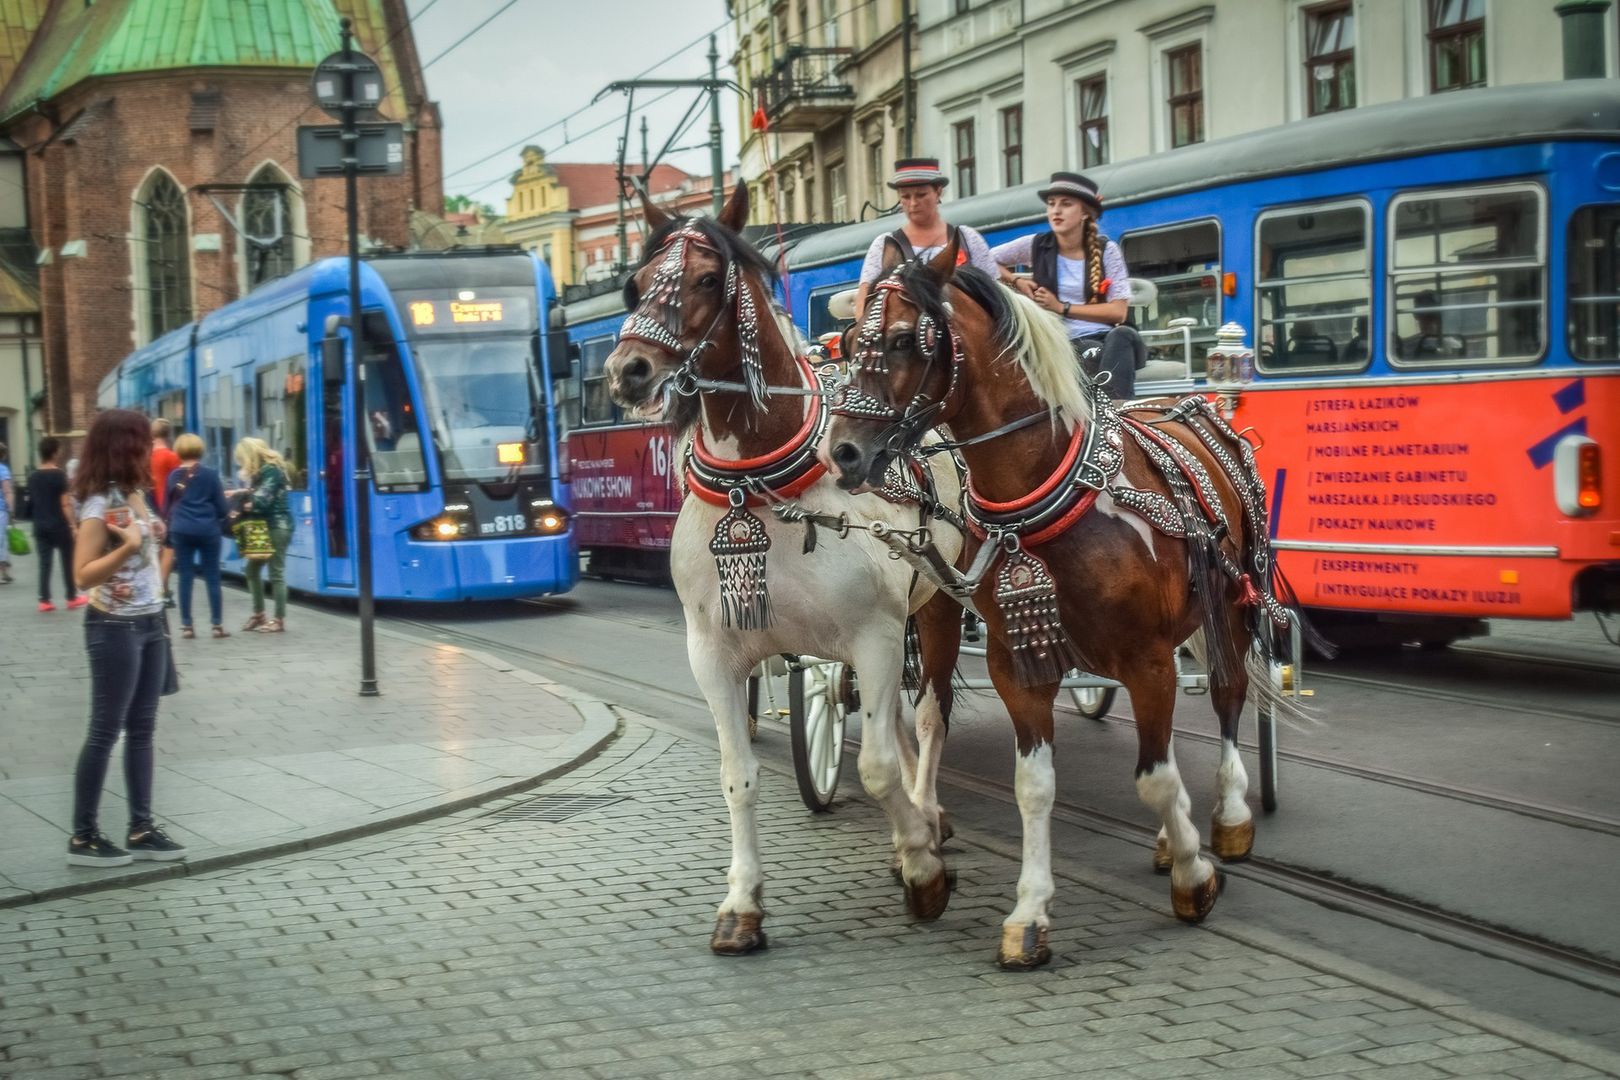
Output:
x=717 y=171
x=905 y=76
x=624 y=244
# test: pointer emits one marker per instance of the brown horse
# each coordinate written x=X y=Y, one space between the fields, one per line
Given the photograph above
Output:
x=1116 y=537
x=707 y=351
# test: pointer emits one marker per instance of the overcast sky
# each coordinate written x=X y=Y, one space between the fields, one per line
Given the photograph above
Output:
x=541 y=60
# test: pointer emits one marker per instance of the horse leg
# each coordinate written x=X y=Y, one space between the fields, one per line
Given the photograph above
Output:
x=922 y=871
x=1024 y=932
x=1231 y=831
x=1152 y=686
x=939 y=635
x=738 y=924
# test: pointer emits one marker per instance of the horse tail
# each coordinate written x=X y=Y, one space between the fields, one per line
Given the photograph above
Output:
x=1265 y=690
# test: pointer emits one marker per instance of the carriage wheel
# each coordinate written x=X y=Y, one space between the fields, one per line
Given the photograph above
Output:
x=818 y=703
x=1093 y=702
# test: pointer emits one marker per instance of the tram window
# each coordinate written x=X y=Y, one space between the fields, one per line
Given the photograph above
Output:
x=1184 y=262
x=1594 y=283
x=1467 y=277
x=279 y=416
x=596 y=407
x=1313 y=288
x=393 y=439
x=219 y=429
x=172 y=407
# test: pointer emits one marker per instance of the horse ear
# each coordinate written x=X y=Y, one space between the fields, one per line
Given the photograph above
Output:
x=656 y=218
x=734 y=215
x=892 y=255
x=943 y=265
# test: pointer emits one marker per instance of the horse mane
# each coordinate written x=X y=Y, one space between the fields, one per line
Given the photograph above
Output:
x=1021 y=327
x=732 y=248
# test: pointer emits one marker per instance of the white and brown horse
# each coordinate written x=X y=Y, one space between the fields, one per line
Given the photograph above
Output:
x=1109 y=538
x=706 y=350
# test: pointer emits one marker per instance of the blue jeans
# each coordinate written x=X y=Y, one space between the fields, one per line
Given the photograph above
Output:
x=189 y=552
x=129 y=662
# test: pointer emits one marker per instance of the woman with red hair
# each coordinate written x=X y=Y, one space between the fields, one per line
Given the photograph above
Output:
x=115 y=559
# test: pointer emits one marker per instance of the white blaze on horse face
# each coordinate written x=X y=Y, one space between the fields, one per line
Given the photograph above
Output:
x=1035 y=782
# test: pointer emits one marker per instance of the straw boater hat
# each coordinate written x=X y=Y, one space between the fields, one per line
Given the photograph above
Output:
x=1075 y=186
x=919 y=170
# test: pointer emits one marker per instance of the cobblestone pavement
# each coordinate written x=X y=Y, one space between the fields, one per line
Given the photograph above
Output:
x=268 y=744
x=485 y=946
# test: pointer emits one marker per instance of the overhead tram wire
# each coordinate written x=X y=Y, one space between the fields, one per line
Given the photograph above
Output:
x=583 y=108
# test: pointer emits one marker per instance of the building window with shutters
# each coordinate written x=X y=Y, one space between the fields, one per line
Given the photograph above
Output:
x=881 y=196
x=1012 y=145
x=1093 y=112
x=1456 y=44
x=1330 y=58
x=962 y=142
x=163 y=256
x=1186 y=77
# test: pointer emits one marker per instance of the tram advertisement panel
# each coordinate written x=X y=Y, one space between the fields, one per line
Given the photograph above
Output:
x=623 y=486
x=1374 y=489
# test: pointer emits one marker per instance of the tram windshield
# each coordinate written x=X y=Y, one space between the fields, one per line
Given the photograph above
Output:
x=485 y=406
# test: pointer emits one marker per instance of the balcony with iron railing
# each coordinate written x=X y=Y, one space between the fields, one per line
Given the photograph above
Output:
x=805 y=90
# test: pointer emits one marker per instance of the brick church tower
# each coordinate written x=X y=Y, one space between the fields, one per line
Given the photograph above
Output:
x=125 y=113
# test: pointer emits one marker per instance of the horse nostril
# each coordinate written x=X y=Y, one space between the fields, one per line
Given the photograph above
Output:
x=636 y=369
x=846 y=456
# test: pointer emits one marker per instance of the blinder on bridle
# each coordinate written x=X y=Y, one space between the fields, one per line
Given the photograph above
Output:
x=656 y=317
x=907 y=426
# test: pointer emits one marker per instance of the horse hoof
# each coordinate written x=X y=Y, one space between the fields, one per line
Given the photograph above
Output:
x=927 y=901
x=1023 y=948
x=1191 y=905
x=738 y=935
x=945 y=830
x=1231 y=843
x=1161 y=856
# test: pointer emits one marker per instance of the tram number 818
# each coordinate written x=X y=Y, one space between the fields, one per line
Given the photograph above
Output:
x=503 y=523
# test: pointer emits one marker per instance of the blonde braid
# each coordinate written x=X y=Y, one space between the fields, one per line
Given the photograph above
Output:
x=1094 y=262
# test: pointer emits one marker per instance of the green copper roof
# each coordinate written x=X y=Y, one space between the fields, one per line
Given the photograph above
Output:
x=118 y=37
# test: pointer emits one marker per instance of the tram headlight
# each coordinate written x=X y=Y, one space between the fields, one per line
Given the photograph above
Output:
x=548 y=518
x=453 y=523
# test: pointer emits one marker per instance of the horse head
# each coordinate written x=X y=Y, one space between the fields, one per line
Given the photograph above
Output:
x=905 y=363
x=692 y=303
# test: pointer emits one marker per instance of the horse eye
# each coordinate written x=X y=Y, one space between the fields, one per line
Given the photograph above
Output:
x=632 y=295
x=904 y=343
x=709 y=281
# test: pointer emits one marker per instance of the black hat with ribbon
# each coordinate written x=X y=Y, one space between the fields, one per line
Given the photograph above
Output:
x=1075 y=186
x=922 y=170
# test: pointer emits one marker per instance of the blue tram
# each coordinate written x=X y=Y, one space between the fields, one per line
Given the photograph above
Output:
x=1432 y=291
x=468 y=499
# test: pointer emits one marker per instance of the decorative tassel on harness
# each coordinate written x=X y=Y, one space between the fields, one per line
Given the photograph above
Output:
x=1027 y=597
x=739 y=546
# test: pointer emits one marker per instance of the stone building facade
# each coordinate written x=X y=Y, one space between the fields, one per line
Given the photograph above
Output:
x=130 y=115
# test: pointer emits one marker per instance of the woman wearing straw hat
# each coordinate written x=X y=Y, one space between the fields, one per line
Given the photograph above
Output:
x=1080 y=275
x=918 y=183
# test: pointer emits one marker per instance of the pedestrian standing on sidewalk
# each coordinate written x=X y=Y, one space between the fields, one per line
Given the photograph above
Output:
x=115 y=559
x=54 y=524
x=194 y=509
x=7 y=502
x=164 y=462
x=265 y=473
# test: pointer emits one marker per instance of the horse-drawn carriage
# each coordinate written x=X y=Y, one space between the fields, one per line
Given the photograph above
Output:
x=823 y=518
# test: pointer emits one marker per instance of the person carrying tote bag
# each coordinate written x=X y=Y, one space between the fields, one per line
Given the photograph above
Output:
x=264 y=530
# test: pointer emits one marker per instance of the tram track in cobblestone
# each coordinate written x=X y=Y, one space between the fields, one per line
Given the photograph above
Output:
x=1547 y=957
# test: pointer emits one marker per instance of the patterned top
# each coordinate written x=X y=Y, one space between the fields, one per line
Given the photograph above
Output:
x=269 y=498
x=135 y=587
x=978 y=253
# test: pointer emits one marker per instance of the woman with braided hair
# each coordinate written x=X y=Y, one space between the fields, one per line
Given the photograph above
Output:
x=1080 y=275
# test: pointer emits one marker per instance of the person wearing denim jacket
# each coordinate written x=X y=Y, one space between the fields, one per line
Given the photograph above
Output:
x=116 y=560
x=265 y=471
x=194 y=507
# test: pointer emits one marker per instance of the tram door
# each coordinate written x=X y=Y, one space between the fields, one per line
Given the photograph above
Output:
x=332 y=490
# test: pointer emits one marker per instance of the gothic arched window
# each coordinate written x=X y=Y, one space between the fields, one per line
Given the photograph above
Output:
x=166 y=255
x=268 y=227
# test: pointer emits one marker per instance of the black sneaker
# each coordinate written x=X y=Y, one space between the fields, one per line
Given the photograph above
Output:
x=151 y=843
x=96 y=850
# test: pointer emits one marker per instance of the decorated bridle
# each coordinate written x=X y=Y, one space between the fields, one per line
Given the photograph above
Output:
x=907 y=425
x=657 y=321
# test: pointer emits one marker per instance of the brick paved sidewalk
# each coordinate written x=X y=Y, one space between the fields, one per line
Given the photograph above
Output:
x=490 y=947
x=268 y=744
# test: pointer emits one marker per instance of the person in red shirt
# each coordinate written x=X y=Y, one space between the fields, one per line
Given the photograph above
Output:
x=164 y=462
